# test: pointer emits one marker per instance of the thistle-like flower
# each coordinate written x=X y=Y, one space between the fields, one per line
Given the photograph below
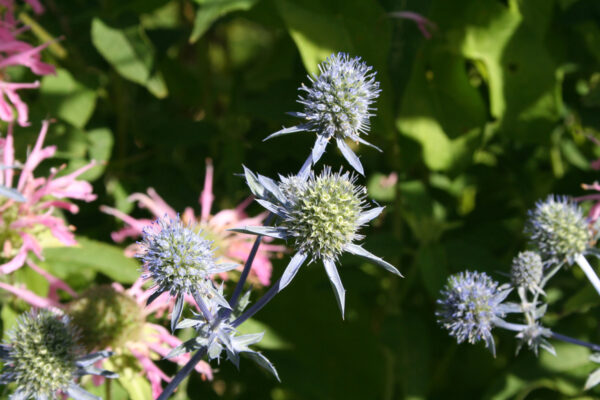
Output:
x=17 y=52
x=470 y=306
x=527 y=271
x=558 y=227
x=179 y=261
x=534 y=336
x=337 y=106
x=43 y=359
x=218 y=334
x=24 y=224
x=228 y=246
x=321 y=215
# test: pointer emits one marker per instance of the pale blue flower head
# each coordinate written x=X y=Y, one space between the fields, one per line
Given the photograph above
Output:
x=43 y=359
x=337 y=105
x=180 y=261
x=559 y=229
x=321 y=216
x=470 y=305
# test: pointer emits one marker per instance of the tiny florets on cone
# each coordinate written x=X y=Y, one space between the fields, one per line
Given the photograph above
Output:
x=559 y=228
x=43 y=350
x=323 y=215
x=177 y=257
x=527 y=270
x=470 y=303
x=338 y=103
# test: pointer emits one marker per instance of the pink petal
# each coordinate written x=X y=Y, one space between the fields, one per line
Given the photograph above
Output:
x=30 y=297
x=206 y=197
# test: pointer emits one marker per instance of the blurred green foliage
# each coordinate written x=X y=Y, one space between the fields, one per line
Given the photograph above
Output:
x=477 y=123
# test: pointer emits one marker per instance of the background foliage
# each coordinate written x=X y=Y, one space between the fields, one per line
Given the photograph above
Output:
x=478 y=122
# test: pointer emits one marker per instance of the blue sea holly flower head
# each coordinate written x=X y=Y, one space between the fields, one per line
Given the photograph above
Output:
x=321 y=216
x=43 y=359
x=179 y=260
x=337 y=106
x=220 y=335
x=470 y=306
x=559 y=229
x=527 y=271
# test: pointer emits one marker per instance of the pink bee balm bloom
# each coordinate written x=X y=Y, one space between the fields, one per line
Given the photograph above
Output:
x=16 y=52
x=230 y=246
x=594 y=213
x=111 y=317
x=23 y=224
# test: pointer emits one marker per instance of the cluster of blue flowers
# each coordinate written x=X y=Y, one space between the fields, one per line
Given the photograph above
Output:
x=472 y=304
x=319 y=214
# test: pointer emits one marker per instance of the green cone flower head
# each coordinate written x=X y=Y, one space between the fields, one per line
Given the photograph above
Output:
x=43 y=353
x=527 y=270
x=42 y=357
x=106 y=318
x=323 y=215
x=559 y=228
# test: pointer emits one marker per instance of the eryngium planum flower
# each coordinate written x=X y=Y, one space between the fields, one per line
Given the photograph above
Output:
x=527 y=271
x=179 y=261
x=320 y=215
x=43 y=358
x=559 y=228
x=471 y=302
x=337 y=106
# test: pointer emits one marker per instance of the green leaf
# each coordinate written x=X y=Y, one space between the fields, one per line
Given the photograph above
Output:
x=91 y=255
x=316 y=34
x=211 y=10
x=67 y=98
x=131 y=53
x=432 y=262
x=381 y=188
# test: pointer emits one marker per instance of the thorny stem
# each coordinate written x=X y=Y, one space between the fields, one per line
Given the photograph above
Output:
x=588 y=271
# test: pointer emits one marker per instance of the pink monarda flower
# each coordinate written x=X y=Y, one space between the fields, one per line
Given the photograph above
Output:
x=594 y=213
x=17 y=52
x=230 y=246
x=23 y=224
x=111 y=317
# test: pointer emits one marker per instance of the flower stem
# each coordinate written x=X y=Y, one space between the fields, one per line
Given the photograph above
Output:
x=519 y=327
x=246 y=271
x=588 y=271
x=256 y=307
x=182 y=374
x=591 y=346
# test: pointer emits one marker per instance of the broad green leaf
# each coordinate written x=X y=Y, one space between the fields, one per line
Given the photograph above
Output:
x=67 y=98
x=91 y=255
x=131 y=53
x=568 y=357
x=316 y=34
x=210 y=10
